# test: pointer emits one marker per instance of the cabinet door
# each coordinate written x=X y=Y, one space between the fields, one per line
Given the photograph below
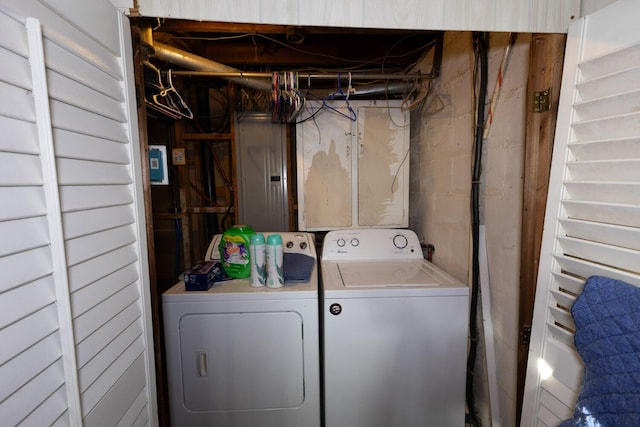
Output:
x=383 y=165
x=324 y=169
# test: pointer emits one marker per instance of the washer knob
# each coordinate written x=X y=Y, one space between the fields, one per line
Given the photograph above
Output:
x=341 y=242
x=303 y=245
x=355 y=242
x=289 y=244
x=400 y=241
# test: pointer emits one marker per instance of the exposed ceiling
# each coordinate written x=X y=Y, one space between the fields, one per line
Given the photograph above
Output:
x=250 y=47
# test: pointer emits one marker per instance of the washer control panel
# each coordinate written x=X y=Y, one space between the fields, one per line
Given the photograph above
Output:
x=371 y=244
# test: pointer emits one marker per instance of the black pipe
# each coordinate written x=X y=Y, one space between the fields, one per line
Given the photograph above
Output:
x=480 y=45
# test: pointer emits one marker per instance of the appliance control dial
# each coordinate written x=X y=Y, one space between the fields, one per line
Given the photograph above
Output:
x=341 y=242
x=289 y=244
x=355 y=242
x=303 y=245
x=400 y=241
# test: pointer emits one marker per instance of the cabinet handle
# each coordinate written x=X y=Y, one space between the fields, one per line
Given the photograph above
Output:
x=203 y=366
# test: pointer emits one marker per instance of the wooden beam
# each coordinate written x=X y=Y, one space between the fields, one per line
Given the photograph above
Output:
x=546 y=57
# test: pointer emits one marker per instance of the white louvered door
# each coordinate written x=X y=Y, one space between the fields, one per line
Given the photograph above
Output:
x=74 y=320
x=592 y=223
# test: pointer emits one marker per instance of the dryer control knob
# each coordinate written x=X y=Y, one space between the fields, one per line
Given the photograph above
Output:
x=355 y=242
x=289 y=244
x=341 y=242
x=303 y=245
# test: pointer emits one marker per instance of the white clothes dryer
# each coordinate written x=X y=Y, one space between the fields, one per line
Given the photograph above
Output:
x=240 y=356
x=394 y=333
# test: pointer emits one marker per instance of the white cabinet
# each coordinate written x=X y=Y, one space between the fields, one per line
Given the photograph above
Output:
x=353 y=166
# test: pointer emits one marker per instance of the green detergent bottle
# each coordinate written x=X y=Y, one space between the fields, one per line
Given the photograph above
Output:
x=234 y=251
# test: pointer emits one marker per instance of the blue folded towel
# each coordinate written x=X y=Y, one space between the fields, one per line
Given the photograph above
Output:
x=297 y=267
x=607 y=318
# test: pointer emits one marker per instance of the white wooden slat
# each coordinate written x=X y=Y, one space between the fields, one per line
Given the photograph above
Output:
x=25 y=267
x=123 y=387
x=21 y=105
x=74 y=145
x=108 y=355
x=14 y=70
x=621 y=258
x=606 y=149
x=82 y=172
x=585 y=269
x=90 y=321
x=567 y=369
x=133 y=382
x=24 y=300
x=612 y=105
x=21 y=335
x=89 y=271
x=84 y=299
x=625 y=126
x=562 y=318
x=85 y=45
x=82 y=223
x=12 y=35
x=26 y=399
x=52 y=412
x=75 y=198
x=606 y=170
x=20 y=169
x=563 y=299
x=626 y=237
x=561 y=391
x=568 y=283
x=26 y=202
x=88 y=347
x=18 y=136
x=136 y=414
x=68 y=117
x=555 y=406
x=83 y=248
x=611 y=62
x=76 y=68
x=23 y=235
x=560 y=333
x=101 y=29
x=604 y=192
x=547 y=417
x=30 y=363
x=621 y=82
x=625 y=215
x=87 y=98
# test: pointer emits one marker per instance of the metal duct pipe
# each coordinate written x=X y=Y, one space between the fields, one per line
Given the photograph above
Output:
x=381 y=89
x=188 y=60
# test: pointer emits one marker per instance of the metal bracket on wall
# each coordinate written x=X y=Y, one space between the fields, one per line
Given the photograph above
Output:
x=542 y=101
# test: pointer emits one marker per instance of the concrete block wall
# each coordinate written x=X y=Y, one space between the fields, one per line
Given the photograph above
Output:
x=441 y=165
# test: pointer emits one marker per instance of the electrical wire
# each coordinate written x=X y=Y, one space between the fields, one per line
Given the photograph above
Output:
x=480 y=72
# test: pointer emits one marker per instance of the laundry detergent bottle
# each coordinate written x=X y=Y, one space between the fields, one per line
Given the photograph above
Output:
x=234 y=251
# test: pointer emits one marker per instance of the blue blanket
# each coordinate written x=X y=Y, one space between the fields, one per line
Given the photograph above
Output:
x=607 y=317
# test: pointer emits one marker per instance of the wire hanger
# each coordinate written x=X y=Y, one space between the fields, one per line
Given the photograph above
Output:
x=340 y=94
x=163 y=98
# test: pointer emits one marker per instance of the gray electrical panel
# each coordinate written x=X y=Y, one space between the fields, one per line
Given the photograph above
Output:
x=261 y=165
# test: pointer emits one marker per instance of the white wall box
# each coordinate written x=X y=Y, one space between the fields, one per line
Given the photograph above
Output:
x=261 y=153
x=353 y=166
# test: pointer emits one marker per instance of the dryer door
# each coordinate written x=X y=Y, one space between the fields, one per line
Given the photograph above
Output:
x=241 y=361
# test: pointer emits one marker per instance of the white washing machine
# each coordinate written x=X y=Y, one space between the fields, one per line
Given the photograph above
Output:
x=394 y=332
x=239 y=356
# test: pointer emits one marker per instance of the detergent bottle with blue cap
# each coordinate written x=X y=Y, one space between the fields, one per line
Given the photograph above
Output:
x=234 y=251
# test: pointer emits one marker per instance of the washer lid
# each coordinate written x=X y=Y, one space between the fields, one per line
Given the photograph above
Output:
x=406 y=273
